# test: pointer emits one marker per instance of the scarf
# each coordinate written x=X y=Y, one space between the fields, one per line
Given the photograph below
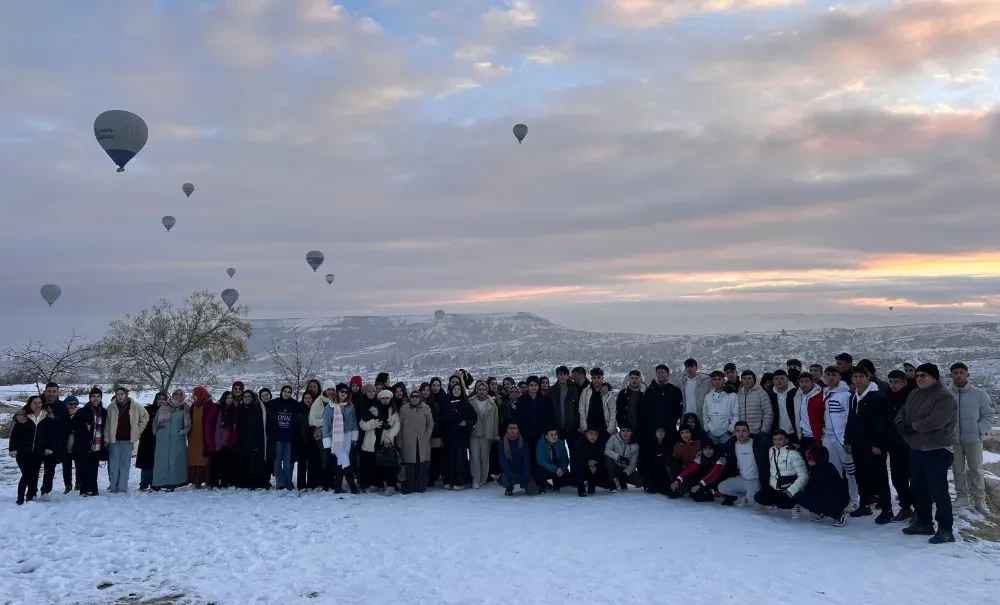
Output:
x=506 y=445
x=167 y=409
x=336 y=430
x=97 y=438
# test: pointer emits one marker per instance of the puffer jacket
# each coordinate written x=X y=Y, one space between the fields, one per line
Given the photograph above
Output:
x=975 y=414
x=928 y=419
x=616 y=447
x=610 y=401
x=755 y=409
x=787 y=463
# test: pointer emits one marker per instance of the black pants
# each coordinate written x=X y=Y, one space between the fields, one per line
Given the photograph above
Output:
x=222 y=470
x=29 y=463
x=929 y=482
x=437 y=461
x=807 y=442
x=705 y=493
x=584 y=478
x=814 y=502
x=86 y=472
x=617 y=473
x=378 y=477
x=899 y=467
x=657 y=477
x=49 y=472
x=542 y=477
x=310 y=465
x=872 y=476
x=768 y=496
x=67 y=470
x=415 y=477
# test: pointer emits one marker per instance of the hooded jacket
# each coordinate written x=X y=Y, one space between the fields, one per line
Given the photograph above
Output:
x=825 y=481
x=837 y=408
x=720 y=412
x=616 y=448
x=755 y=409
x=810 y=406
x=975 y=414
x=870 y=422
x=929 y=418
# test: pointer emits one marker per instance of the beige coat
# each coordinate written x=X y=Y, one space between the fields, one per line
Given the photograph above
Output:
x=138 y=418
x=489 y=420
x=389 y=432
x=416 y=425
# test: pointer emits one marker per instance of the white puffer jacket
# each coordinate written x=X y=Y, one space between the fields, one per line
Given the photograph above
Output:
x=787 y=463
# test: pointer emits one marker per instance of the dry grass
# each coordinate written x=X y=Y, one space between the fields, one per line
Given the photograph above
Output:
x=988 y=529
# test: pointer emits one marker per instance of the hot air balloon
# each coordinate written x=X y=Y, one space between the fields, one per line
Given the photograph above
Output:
x=314 y=258
x=329 y=278
x=231 y=271
x=230 y=296
x=520 y=131
x=188 y=189
x=168 y=222
x=51 y=293
x=439 y=314
x=121 y=134
x=890 y=308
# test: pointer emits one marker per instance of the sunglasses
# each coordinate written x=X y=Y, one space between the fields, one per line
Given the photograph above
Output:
x=415 y=396
x=343 y=391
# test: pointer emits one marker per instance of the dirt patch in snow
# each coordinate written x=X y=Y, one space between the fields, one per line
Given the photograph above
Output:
x=989 y=528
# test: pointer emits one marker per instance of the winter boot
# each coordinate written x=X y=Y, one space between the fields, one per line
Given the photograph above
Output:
x=981 y=508
x=816 y=518
x=919 y=529
x=840 y=521
x=862 y=511
x=581 y=492
x=509 y=491
x=960 y=502
x=796 y=512
x=388 y=491
x=352 y=483
x=591 y=489
x=904 y=513
x=728 y=500
x=884 y=517
x=942 y=537
x=20 y=499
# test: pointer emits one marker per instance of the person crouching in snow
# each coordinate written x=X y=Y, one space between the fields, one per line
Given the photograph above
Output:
x=825 y=494
x=621 y=457
x=701 y=478
x=552 y=462
x=654 y=460
x=515 y=461
x=682 y=456
x=588 y=462
x=788 y=475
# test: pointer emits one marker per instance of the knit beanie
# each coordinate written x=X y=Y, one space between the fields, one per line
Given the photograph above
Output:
x=96 y=390
x=384 y=394
x=930 y=369
x=356 y=380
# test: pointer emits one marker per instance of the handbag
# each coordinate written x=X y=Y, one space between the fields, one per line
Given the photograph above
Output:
x=387 y=457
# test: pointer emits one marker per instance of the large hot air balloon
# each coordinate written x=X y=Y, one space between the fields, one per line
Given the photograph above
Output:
x=168 y=222
x=188 y=189
x=314 y=258
x=122 y=134
x=51 y=293
x=520 y=131
x=329 y=278
x=230 y=296
x=439 y=314
x=231 y=271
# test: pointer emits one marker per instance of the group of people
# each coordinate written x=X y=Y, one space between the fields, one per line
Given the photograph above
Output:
x=825 y=440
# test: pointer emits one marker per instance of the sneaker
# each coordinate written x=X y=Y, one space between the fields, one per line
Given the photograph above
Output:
x=853 y=506
x=884 y=517
x=841 y=521
x=728 y=500
x=389 y=491
x=982 y=509
x=960 y=502
x=458 y=488
x=862 y=511
x=904 y=513
x=756 y=507
x=816 y=518
x=44 y=498
x=446 y=486
x=372 y=490
x=741 y=502
x=796 y=512
x=614 y=487
x=942 y=537
x=917 y=529
x=591 y=490
x=509 y=491
x=476 y=486
x=581 y=493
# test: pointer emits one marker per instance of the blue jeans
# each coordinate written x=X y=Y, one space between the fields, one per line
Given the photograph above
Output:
x=283 y=465
x=119 y=461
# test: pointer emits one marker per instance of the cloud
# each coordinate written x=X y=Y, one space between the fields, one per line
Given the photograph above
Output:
x=545 y=55
x=487 y=68
x=458 y=86
x=642 y=14
x=518 y=14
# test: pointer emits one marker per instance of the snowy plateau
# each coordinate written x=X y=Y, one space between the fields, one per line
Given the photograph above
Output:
x=476 y=546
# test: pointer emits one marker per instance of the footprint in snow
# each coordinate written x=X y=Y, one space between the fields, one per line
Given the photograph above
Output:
x=28 y=566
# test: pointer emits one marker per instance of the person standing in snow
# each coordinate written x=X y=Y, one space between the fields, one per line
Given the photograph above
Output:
x=251 y=443
x=416 y=425
x=809 y=412
x=309 y=469
x=340 y=438
x=223 y=465
x=597 y=410
x=126 y=422
x=621 y=457
x=282 y=428
x=30 y=443
x=565 y=406
x=787 y=476
x=316 y=414
x=533 y=414
x=928 y=422
x=399 y=395
x=883 y=386
x=171 y=427
x=380 y=423
x=662 y=405
x=89 y=445
x=457 y=419
x=694 y=385
x=756 y=411
x=484 y=433
x=72 y=406
x=845 y=365
x=721 y=410
x=356 y=383
x=837 y=408
x=435 y=399
x=515 y=462
x=59 y=415
x=701 y=478
x=794 y=369
x=201 y=439
x=783 y=406
x=740 y=451
x=824 y=495
x=899 y=450
x=975 y=419
x=628 y=402
x=869 y=426
x=656 y=461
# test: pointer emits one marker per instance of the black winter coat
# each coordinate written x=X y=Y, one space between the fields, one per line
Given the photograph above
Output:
x=28 y=437
x=147 y=441
x=452 y=414
x=870 y=422
x=661 y=406
x=250 y=441
x=571 y=421
x=82 y=429
x=533 y=416
x=897 y=401
x=583 y=452
x=59 y=415
x=824 y=480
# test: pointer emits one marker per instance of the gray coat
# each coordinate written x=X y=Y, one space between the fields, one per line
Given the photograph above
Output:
x=927 y=420
x=170 y=459
x=975 y=414
x=416 y=426
x=755 y=409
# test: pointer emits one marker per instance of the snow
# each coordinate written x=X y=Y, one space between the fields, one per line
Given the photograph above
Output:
x=474 y=546
x=990 y=457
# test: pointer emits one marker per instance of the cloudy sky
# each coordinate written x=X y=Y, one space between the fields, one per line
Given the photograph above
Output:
x=684 y=157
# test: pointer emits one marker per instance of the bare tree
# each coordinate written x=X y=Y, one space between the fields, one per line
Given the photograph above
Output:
x=159 y=344
x=293 y=365
x=43 y=363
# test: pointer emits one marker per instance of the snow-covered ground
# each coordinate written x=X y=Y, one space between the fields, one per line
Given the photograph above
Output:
x=468 y=547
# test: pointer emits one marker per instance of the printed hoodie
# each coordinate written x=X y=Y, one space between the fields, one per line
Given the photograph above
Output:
x=837 y=401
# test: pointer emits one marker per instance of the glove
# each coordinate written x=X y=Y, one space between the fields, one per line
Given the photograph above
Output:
x=623 y=460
